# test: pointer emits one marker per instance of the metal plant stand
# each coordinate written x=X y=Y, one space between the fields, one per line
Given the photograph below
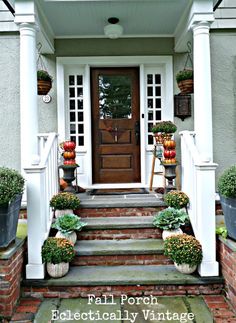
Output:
x=69 y=177
x=170 y=175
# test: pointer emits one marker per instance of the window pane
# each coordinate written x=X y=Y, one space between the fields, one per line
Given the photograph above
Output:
x=79 y=79
x=72 y=92
x=158 y=90
x=150 y=115
x=157 y=79
x=81 y=141
x=115 y=96
x=80 y=104
x=150 y=126
x=80 y=128
x=158 y=115
x=80 y=116
x=71 y=80
x=73 y=138
x=149 y=79
x=150 y=91
x=158 y=103
x=72 y=116
x=72 y=104
x=79 y=91
x=72 y=128
x=150 y=103
x=150 y=139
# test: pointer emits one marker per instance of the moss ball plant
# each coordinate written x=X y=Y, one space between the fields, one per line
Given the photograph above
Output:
x=65 y=200
x=227 y=183
x=11 y=184
x=183 y=249
x=176 y=199
x=57 y=250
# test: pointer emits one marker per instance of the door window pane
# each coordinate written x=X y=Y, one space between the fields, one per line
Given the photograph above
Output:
x=115 y=97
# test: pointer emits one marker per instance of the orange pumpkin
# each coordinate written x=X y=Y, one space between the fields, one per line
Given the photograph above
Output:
x=169 y=144
x=69 y=154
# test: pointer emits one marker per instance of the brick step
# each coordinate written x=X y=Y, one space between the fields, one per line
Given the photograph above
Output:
x=118 y=280
x=120 y=252
x=109 y=228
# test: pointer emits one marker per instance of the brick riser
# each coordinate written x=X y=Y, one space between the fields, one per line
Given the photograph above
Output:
x=120 y=260
x=113 y=234
x=142 y=290
x=113 y=212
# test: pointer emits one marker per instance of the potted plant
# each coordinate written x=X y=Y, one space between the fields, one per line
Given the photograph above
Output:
x=176 y=199
x=185 y=251
x=170 y=220
x=44 y=82
x=64 y=203
x=66 y=225
x=11 y=190
x=184 y=80
x=163 y=130
x=57 y=253
x=227 y=191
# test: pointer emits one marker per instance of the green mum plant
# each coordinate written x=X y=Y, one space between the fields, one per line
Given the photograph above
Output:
x=170 y=219
x=183 y=249
x=68 y=223
x=176 y=199
x=65 y=200
x=227 y=183
x=57 y=250
x=185 y=74
x=11 y=184
x=165 y=127
x=43 y=76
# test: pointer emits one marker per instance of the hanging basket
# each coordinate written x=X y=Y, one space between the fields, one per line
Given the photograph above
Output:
x=44 y=87
x=186 y=86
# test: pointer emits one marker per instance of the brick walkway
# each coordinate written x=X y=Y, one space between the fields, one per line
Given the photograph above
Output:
x=220 y=308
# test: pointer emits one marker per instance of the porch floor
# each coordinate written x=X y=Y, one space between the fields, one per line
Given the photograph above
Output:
x=150 y=199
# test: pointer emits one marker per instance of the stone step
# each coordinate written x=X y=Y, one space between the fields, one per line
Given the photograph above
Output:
x=117 y=228
x=120 y=252
x=117 y=280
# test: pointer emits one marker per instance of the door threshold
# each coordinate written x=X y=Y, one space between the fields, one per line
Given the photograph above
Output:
x=117 y=185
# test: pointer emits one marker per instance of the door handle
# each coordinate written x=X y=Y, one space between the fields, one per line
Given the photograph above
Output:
x=137 y=132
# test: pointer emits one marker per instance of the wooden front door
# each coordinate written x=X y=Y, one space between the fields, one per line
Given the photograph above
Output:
x=115 y=125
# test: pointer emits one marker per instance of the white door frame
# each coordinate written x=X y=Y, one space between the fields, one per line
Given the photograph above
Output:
x=113 y=61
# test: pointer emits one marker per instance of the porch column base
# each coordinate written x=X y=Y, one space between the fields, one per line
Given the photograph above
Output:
x=209 y=269
x=35 y=271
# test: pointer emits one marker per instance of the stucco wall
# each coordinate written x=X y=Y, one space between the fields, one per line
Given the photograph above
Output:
x=223 y=57
x=9 y=101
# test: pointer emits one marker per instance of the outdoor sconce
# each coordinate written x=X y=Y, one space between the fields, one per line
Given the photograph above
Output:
x=182 y=106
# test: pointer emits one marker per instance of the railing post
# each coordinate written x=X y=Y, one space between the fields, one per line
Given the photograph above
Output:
x=35 y=177
x=205 y=217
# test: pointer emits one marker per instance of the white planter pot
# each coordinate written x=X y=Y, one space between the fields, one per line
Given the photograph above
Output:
x=62 y=212
x=167 y=233
x=72 y=237
x=58 y=270
x=185 y=268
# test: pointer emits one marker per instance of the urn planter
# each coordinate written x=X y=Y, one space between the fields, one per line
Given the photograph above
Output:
x=168 y=233
x=72 y=237
x=9 y=215
x=57 y=270
x=185 y=268
x=229 y=210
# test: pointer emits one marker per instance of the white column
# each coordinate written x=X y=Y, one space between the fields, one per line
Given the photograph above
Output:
x=202 y=89
x=28 y=93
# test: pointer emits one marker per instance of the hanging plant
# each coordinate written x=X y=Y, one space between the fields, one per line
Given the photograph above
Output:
x=44 y=82
x=43 y=78
x=184 y=78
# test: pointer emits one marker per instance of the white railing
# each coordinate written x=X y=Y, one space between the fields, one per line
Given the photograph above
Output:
x=198 y=182
x=42 y=184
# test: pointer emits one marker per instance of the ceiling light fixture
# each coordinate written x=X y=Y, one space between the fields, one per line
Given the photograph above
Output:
x=113 y=30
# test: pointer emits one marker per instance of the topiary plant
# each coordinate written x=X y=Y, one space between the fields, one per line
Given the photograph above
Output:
x=68 y=223
x=183 y=249
x=170 y=219
x=65 y=200
x=57 y=250
x=176 y=199
x=227 y=183
x=11 y=184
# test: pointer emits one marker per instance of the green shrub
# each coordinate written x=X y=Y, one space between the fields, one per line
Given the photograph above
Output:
x=164 y=126
x=43 y=76
x=11 y=184
x=67 y=223
x=183 y=249
x=185 y=74
x=65 y=200
x=170 y=219
x=227 y=183
x=56 y=250
x=176 y=199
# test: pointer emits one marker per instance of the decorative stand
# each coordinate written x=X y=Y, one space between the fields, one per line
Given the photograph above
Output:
x=170 y=175
x=157 y=153
x=69 y=176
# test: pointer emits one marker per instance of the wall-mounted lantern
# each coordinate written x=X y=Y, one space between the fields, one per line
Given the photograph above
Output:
x=182 y=106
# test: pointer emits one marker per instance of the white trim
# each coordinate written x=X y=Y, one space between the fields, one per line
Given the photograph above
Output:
x=113 y=61
x=123 y=37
